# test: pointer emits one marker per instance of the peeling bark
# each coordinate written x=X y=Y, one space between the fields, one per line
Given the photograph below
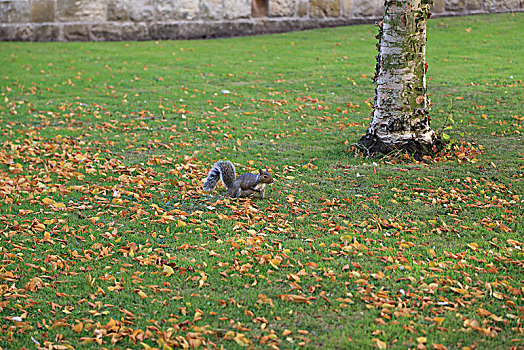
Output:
x=400 y=112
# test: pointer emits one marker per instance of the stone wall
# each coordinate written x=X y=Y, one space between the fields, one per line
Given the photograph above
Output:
x=107 y=20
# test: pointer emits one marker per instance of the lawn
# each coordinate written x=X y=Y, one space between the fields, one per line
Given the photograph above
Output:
x=107 y=239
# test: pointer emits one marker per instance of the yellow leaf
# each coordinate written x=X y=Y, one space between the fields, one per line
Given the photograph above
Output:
x=142 y=294
x=242 y=340
x=275 y=261
x=459 y=290
x=112 y=323
x=263 y=299
x=422 y=339
x=496 y=318
x=438 y=320
x=90 y=280
x=168 y=270
x=468 y=323
x=364 y=223
x=48 y=201
x=473 y=245
x=380 y=343
x=39 y=227
x=360 y=246
x=514 y=242
x=498 y=295
x=229 y=335
x=117 y=201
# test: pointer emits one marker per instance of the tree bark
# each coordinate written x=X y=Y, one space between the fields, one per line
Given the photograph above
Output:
x=400 y=112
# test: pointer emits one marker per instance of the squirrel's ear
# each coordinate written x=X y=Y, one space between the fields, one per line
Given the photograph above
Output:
x=260 y=171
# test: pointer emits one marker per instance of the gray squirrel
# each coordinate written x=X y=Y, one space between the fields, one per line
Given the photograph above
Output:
x=246 y=185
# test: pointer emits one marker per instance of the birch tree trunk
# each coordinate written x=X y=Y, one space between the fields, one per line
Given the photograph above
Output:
x=400 y=112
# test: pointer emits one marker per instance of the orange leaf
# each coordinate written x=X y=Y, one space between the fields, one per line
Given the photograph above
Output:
x=77 y=328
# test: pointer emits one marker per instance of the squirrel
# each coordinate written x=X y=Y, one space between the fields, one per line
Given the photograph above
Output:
x=246 y=185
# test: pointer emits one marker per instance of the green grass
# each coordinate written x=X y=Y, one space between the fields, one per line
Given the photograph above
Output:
x=104 y=224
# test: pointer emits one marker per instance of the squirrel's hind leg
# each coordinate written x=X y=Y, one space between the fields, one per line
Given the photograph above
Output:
x=235 y=192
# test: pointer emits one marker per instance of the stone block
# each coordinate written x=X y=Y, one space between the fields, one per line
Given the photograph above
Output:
x=5 y=33
x=347 y=8
x=302 y=8
x=106 y=32
x=503 y=5
x=46 y=32
x=80 y=10
x=474 y=5
x=282 y=8
x=42 y=11
x=24 y=32
x=237 y=9
x=264 y=26
x=324 y=8
x=364 y=8
x=194 y=31
x=288 y=25
x=16 y=32
x=334 y=22
x=76 y=32
x=438 y=6
x=118 y=10
x=211 y=9
x=168 y=10
x=206 y=30
x=312 y=23
x=455 y=5
x=14 y=12
x=141 y=11
x=164 y=31
x=237 y=28
x=379 y=9
x=135 y=32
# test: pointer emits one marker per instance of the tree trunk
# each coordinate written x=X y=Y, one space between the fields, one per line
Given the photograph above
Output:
x=400 y=113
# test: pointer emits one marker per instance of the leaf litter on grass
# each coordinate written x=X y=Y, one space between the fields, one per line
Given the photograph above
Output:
x=108 y=239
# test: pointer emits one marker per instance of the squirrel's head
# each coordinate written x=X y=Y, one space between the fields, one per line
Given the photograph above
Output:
x=265 y=176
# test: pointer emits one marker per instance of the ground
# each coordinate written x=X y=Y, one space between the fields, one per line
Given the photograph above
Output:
x=107 y=237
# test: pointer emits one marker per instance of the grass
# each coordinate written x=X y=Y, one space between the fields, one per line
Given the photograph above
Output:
x=108 y=240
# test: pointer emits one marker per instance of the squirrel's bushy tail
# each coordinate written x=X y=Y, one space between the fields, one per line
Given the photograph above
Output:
x=224 y=171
